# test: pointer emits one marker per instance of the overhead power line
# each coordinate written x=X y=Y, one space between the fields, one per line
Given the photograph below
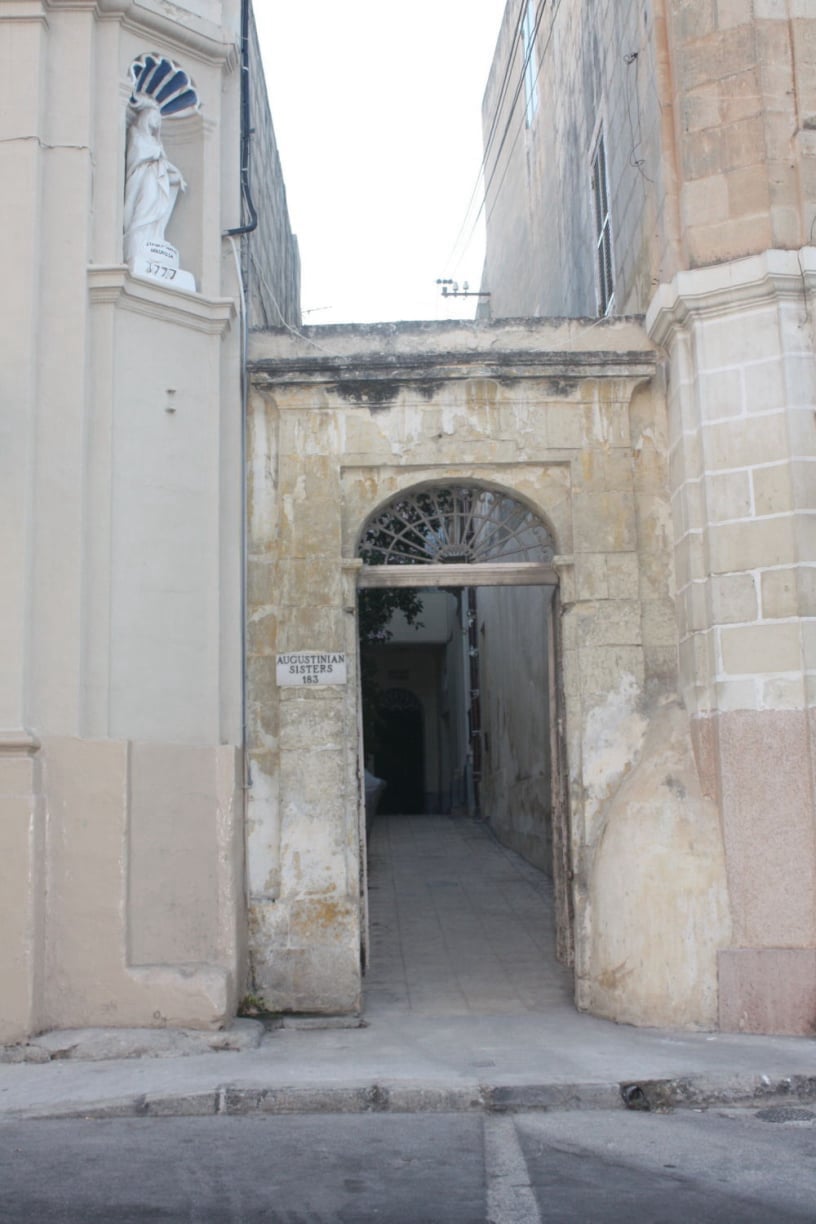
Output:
x=510 y=116
x=508 y=67
x=545 y=48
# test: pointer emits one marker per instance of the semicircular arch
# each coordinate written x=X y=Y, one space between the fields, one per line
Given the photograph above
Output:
x=455 y=521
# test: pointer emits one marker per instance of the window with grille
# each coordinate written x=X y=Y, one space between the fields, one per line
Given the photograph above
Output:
x=528 y=30
x=603 y=229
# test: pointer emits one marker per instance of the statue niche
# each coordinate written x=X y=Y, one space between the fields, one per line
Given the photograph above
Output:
x=152 y=183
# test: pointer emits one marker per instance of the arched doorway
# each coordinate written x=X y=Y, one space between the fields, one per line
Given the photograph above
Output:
x=400 y=758
x=491 y=556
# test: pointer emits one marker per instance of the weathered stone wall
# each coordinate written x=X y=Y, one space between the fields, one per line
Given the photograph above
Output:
x=541 y=255
x=709 y=115
x=514 y=682
x=551 y=413
x=743 y=94
x=274 y=259
x=742 y=449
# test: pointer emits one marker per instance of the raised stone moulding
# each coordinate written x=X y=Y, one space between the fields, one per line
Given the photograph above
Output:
x=152 y=183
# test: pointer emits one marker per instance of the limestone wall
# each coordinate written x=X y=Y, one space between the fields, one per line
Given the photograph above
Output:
x=744 y=102
x=569 y=419
x=515 y=793
x=708 y=113
x=541 y=250
x=120 y=670
x=272 y=250
x=709 y=118
x=743 y=444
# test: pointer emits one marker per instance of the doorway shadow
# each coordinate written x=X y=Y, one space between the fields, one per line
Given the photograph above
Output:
x=399 y=759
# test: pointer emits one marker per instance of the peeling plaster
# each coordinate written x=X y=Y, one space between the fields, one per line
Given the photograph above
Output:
x=263 y=834
x=613 y=737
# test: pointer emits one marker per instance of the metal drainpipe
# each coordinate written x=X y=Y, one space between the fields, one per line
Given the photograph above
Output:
x=246 y=130
x=242 y=231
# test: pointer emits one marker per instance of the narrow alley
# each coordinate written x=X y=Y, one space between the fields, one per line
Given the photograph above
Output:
x=460 y=925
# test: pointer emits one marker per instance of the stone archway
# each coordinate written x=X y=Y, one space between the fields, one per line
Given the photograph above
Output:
x=476 y=537
x=565 y=419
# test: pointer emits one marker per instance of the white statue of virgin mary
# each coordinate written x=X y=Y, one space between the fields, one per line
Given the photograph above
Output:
x=152 y=182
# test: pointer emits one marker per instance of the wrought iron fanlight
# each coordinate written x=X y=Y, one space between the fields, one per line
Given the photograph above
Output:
x=454 y=525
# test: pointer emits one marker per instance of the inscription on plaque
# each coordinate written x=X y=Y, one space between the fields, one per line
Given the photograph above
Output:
x=160 y=261
x=311 y=667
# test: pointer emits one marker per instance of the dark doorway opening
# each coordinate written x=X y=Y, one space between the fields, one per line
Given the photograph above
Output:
x=399 y=757
x=470 y=568
x=467 y=884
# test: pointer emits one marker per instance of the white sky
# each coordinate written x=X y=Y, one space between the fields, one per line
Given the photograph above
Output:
x=377 y=114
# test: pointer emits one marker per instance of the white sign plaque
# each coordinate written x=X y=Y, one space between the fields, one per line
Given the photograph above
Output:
x=160 y=261
x=310 y=667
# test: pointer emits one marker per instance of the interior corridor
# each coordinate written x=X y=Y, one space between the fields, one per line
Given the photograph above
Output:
x=460 y=925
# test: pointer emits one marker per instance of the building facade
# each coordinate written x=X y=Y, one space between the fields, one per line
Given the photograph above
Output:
x=560 y=428
x=660 y=160
x=195 y=492
x=121 y=675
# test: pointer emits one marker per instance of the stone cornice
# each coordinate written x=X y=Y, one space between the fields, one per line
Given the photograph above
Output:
x=728 y=288
x=369 y=378
x=170 y=22
x=24 y=10
x=115 y=285
x=18 y=742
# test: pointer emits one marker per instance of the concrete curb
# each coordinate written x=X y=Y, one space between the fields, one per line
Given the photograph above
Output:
x=707 y=1091
x=657 y=1095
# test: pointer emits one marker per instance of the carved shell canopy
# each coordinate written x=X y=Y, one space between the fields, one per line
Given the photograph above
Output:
x=454 y=525
x=164 y=82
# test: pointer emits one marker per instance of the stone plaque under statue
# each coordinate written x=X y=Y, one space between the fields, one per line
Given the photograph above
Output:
x=160 y=261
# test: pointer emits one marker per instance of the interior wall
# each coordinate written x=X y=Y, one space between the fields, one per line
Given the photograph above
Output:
x=515 y=793
x=415 y=670
x=453 y=704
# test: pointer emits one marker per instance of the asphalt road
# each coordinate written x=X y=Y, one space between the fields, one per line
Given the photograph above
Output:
x=729 y=1167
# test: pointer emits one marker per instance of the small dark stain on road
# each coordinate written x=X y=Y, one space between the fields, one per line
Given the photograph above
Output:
x=785 y=1113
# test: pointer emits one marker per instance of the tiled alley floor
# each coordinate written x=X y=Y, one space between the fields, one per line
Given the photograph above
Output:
x=459 y=924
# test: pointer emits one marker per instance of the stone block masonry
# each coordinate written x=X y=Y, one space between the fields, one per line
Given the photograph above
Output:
x=740 y=340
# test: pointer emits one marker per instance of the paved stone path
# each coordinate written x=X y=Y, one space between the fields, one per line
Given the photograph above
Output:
x=460 y=925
